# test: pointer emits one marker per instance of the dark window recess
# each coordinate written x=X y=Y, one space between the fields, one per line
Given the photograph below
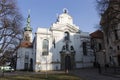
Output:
x=118 y=47
x=84 y=48
x=116 y=35
x=26 y=58
x=26 y=66
x=100 y=46
x=27 y=38
x=54 y=43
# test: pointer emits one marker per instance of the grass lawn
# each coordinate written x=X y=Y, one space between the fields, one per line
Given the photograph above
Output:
x=41 y=77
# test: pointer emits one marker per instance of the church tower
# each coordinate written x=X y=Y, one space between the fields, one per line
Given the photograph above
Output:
x=28 y=30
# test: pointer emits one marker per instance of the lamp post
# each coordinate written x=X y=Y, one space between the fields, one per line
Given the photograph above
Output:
x=46 y=68
x=104 y=56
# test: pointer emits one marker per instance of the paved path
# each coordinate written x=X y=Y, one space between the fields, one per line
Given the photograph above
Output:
x=93 y=74
x=86 y=74
x=27 y=72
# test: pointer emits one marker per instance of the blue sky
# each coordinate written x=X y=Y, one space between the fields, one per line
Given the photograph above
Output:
x=43 y=12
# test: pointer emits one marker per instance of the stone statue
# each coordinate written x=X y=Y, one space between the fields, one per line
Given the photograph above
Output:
x=71 y=47
x=67 y=46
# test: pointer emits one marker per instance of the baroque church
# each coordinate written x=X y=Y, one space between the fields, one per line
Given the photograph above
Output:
x=63 y=46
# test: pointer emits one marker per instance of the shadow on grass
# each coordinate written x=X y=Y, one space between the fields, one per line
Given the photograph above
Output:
x=41 y=77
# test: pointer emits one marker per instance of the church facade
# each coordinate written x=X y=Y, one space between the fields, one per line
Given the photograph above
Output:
x=61 y=47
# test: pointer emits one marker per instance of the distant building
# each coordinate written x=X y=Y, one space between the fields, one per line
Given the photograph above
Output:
x=62 y=46
x=98 y=46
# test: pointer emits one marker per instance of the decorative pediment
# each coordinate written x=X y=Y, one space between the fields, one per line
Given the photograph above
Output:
x=67 y=27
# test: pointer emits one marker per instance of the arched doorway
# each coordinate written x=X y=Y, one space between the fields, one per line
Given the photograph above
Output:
x=67 y=62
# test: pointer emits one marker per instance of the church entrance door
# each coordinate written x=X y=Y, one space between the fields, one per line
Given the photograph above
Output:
x=26 y=66
x=67 y=62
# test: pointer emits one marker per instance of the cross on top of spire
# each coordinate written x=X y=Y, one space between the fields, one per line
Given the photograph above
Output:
x=28 y=19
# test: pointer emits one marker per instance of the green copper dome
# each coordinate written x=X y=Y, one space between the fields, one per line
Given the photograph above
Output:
x=28 y=29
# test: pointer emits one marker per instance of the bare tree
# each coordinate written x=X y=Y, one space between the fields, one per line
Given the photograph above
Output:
x=109 y=6
x=110 y=13
x=102 y=5
x=10 y=27
x=110 y=20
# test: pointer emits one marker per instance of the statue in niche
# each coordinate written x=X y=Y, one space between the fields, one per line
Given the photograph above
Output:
x=71 y=47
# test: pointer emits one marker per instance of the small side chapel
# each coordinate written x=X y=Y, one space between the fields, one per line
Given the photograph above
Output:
x=63 y=46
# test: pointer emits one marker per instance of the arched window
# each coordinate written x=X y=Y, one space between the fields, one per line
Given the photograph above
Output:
x=67 y=36
x=45 y=47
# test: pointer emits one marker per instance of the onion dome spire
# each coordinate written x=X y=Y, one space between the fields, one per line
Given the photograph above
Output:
x=28 y=26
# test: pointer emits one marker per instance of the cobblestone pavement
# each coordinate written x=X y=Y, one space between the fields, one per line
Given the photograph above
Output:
x=93 y=74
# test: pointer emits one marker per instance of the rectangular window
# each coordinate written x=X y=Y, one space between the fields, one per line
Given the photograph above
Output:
x=100 y=46
x=26 y=57
x=26 y=66
x=54 y=43
x=45 y=47
x=44 y=53
x=116 y=34
x=84 y=48
x=118 y=47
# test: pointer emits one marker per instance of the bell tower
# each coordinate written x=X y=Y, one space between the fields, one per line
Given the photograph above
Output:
x=28 y=30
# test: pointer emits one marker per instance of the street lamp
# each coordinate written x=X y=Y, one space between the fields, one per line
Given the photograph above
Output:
x=46 y=66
